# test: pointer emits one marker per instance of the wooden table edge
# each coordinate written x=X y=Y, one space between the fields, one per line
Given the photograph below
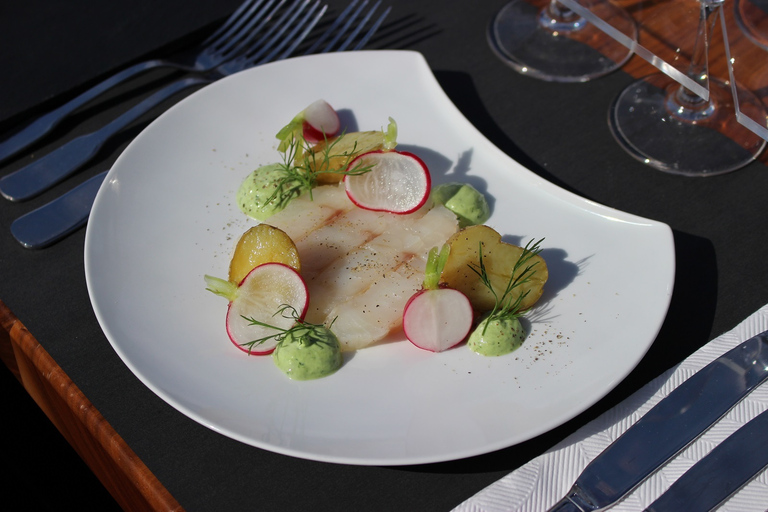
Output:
x=119 y=469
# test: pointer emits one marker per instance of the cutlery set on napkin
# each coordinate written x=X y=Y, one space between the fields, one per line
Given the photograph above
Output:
x=258 y=32
x=695 y=438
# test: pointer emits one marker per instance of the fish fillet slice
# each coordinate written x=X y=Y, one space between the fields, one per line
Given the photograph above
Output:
x=366 y=311
x=370 y=316
x=364 y=266
x=360 y=266
x=304 y=214
x=338 y=237
x=348 y=276
x=417 y=238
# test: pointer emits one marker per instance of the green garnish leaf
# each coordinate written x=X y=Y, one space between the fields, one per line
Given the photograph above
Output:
x=222 y=287
x=290 y=132
x=390 y=135
x=435 y=265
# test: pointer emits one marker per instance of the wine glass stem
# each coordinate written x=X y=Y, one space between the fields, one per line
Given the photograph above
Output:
x=560 y=12
x=699 y=59
x=684 y=99
x=558 y=17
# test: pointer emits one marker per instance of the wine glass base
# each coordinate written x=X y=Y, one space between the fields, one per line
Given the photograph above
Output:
x=652 y=126
x=556 y=45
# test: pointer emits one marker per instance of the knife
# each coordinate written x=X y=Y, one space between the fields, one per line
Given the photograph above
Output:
x=668 y=427
x=55 y=220
x=713 y=479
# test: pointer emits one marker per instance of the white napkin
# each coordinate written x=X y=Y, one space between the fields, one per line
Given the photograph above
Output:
x=540 y=483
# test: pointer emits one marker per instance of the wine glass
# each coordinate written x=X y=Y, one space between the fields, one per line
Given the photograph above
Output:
x=752 y=19
x=549 y=41
x=745 y=51
x=670 y=127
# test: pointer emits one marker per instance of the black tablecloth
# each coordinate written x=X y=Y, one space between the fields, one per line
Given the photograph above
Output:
x=51 y=50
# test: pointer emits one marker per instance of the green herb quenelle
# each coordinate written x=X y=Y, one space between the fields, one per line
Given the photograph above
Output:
x=500 y=331
x=465 y=201
x=304 y=351
x=266 y=191
x=308 y=352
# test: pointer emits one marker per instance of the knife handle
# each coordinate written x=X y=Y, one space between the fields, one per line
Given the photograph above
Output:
x=55 y=220
x=574 y=501
x=47 y=122
x=565 y=505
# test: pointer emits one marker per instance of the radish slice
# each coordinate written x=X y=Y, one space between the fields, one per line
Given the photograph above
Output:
x=320 y=122
x=437 y=320
x=266 y=291
x=315 y=123
x=398 y=182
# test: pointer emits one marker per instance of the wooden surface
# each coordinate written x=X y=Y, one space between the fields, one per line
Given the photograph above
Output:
x=121 y=472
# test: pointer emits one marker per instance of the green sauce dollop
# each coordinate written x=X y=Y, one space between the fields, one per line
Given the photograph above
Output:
x=464 y=200
x=255 y=191
x=308 y=354
x=497 y=336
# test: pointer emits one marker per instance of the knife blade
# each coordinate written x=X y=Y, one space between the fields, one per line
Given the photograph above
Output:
x=721 y=473
x=668 y=427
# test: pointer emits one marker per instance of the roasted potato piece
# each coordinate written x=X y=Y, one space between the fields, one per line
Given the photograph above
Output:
x=262 y=244
x=342 y=150
x=499 y=259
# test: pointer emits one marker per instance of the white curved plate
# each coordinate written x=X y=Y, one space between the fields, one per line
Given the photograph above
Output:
x=166 y=215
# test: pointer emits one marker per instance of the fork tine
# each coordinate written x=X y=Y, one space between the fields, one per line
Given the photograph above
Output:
x=359 y=27
x=346 y=26
x=372 y=30
x=245 y=47
x=236 y=19
x=332 y=29
x=292 y=38
x=272 y=35
x=243 y=35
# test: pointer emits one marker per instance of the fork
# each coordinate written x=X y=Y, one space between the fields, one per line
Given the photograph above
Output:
x=65 y=214
x=236 y=32
x=292 y=26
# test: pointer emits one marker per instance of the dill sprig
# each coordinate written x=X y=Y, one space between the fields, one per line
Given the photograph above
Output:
x=506 y=305
x=314 y=169
x=302 y=176
x=306 y=333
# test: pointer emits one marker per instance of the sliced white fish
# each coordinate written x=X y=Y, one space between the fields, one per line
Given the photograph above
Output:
x=305 y=214
x=337 y=238
x=347 y=277
x=372 y=315
x=361 y=266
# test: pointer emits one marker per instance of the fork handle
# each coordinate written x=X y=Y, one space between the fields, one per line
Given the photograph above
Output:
x=44 y=173
x=47 y=122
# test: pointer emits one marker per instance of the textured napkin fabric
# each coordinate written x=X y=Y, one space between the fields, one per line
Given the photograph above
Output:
x=547 y=478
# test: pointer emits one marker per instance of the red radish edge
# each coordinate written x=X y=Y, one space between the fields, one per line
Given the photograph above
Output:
x=320 y=121
x=350 y=180
x=438 y=319
x=268 y=346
